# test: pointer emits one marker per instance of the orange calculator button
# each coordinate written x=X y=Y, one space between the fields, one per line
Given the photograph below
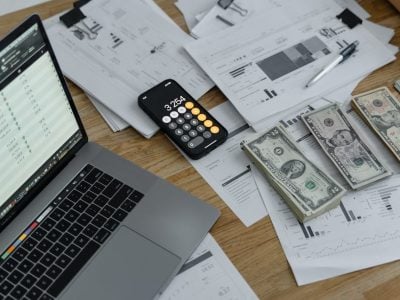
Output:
x=189 y=105
x=195 y=111
x=208 y=123
x=214 y=129
x=201 y=117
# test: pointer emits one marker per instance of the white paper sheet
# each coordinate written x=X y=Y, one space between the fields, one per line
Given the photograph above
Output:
x=208 y=274
x=227 y=168
x=190 y=9
x=131 y=49
x=116 y=123
x=261 y=70
x=8 y=6
x=361 y=233
x=382 y=33
x=113 y=120
x=217 y=18
x=340 y=95
x=346 y=238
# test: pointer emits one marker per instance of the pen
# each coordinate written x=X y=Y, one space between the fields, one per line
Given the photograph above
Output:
x=343 y=55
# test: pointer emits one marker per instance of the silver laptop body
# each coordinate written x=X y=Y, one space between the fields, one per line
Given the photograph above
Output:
x=136 y=252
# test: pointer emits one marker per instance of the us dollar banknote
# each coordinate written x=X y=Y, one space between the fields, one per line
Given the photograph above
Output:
x=337 y=137
x=307 y=190
x=381 y=110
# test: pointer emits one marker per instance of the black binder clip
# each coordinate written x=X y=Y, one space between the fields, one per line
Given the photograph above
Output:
x=81 y=29
x=80 y=3
x=72 y=17
x=225 y=4
x=349 y=18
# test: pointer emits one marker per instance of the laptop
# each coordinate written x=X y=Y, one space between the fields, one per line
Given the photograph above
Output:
x=77 y=221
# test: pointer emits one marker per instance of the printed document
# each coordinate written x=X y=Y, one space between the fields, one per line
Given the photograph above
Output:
x=208 y=274
x=218 y=18
x=346 y=238
x=263 y=65
x=190 y=9
x=227 y=168
x=120 y=50
x=113 y=121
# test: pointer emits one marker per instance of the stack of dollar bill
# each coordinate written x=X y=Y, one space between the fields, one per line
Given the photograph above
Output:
x=381 y=111
x=346 y=149
x=306 y=189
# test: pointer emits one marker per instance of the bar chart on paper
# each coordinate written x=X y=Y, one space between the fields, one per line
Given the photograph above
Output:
x=365 y=223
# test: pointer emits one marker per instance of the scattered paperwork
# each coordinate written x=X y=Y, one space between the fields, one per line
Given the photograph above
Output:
x=263 y=64
x=191 y=9
x=122 y=49
x=216 y=18
x=227 y=169
x=347 y=238
x=208 y=274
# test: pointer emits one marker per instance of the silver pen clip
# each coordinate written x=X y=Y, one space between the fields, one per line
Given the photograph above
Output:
x=225 y=4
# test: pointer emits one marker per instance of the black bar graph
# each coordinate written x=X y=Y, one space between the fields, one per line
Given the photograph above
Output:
x=288 y=123
x=349 y=214
x=303 y=228
x=353 y=217
x=270 y=93
x=346 y=215
x=310 y=231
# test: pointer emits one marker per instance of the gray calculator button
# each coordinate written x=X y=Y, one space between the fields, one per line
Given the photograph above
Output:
x=181 y=109
x=207 y=134
x=180 y=121
x=194 y=122
x=187 y=116
x=200 y=128
x=174 y=114
x=192 y=133
x=195 y=142
x=178 y=131
x=185 y=138
x=166 y=119
x=186 y=127
x=172 y=125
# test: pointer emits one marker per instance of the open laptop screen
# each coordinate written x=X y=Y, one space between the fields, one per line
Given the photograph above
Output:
x=37 y=124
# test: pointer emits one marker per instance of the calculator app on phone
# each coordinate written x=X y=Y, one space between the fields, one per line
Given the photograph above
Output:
x=185 y=121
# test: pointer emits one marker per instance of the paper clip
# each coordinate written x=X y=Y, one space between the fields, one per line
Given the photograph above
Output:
x=76 y=19
x=225 y=4
x=90 y=32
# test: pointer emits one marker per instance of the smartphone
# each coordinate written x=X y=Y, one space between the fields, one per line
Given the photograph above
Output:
x=188 y=124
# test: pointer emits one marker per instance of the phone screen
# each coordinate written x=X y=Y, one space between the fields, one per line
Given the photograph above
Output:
x=164 y=99
x=186 y=122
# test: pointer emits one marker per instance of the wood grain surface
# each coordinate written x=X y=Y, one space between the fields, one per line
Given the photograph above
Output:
x=255 y=251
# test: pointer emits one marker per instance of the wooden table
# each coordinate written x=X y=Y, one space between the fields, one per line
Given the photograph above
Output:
x=255 y=251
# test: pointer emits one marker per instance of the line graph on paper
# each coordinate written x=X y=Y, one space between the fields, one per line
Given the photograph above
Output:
x=365 y=219
x=345 y=246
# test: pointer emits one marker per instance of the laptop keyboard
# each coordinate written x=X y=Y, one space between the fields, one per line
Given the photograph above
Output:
x=51 y=251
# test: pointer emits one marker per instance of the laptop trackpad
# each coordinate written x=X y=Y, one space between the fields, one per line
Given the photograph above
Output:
x=128 y=267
